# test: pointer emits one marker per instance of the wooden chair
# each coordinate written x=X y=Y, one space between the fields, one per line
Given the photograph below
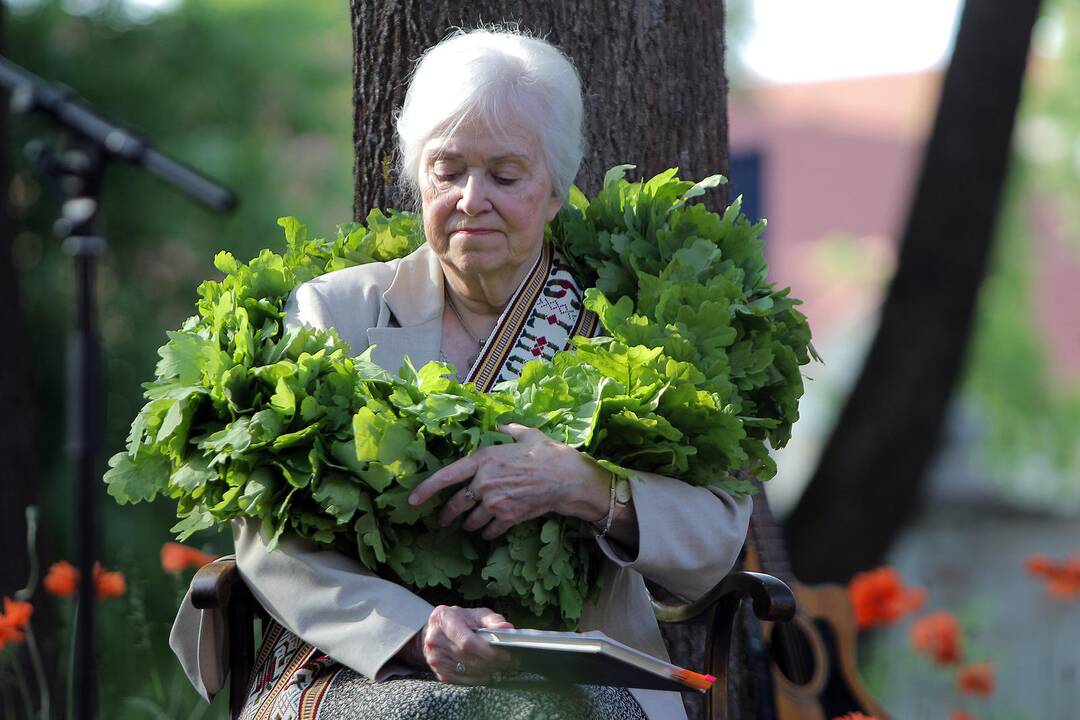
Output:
x=219 y=585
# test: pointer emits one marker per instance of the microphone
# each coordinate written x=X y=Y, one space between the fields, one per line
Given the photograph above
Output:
x=30 y=93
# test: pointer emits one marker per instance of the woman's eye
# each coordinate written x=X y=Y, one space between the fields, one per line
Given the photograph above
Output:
x=504 y=180
x=445 y=176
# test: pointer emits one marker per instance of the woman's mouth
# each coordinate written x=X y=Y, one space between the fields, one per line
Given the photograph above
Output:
x=474 y=231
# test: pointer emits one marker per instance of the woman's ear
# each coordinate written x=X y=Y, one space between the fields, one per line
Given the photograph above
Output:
x=555 y=203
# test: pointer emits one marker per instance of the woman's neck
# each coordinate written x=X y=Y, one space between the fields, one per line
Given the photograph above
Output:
x=485 y=295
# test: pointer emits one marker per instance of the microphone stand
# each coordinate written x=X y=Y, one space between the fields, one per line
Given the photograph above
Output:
x=90 y=141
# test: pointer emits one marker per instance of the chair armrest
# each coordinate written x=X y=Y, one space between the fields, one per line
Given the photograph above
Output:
x=218 y=586
x=772 y=598
x=213 y=585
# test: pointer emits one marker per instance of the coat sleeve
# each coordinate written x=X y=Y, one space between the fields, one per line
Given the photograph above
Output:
x=330 y=600
x=306 y=306
x=689 y=536
x=324 y=597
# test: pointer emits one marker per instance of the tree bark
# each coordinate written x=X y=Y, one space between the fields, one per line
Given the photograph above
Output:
x=655 y=96
x=652 y=74
x=868 y=481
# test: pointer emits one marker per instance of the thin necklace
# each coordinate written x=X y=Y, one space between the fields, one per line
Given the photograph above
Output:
x=464 y=325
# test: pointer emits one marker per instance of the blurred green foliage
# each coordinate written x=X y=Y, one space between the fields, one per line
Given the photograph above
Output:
x=1031 y=414
x=256 y=94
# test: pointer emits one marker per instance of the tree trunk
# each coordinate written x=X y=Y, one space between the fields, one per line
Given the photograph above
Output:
x=652 y=73
x=867 y=483
x=655 y=96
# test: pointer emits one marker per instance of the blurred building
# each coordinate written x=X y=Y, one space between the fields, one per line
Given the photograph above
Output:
x=838 y=160
x=833 y=164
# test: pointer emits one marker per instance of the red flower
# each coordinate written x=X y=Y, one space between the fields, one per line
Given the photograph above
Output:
x=176 y=557
x=1062 y=578
x=1038 y=564
x=13 y=621
x=62 y=579
x=18 y=612
x=109 y=583
x=961 y=715
x=938 y=635
x=977 y=679
x=880 y=598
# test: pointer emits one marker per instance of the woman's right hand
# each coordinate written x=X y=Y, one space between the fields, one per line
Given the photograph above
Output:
x=454 y=652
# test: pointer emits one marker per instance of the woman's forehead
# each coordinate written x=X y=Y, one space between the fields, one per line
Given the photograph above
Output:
x=513 y=143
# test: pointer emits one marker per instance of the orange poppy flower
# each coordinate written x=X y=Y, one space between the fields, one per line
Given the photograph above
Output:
x=937 y=635
x=1038 y=564
x=1062 y=578
x=18 y=612
x=976 y=679
x=109 y=583
x=62 y=579
x=13 y=621
x=9 y=634
x=176 y=557
x=961 y=715
x=880 y=598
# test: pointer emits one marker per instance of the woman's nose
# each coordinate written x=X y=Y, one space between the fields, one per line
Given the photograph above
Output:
x=474 y=196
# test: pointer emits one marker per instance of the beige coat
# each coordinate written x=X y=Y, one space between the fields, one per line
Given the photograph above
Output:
x=690 y=536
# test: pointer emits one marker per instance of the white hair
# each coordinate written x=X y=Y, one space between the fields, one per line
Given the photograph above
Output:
x=494 y=76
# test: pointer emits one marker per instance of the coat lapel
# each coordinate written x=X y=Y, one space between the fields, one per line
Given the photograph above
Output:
x=420 y=343
x=410 y=320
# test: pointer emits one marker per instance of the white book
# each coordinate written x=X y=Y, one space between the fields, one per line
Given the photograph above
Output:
x=592 y=659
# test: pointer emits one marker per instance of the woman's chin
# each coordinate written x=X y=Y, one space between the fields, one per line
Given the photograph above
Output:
x=479 y=262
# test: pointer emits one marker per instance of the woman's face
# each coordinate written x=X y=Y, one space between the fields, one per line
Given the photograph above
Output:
x=486 y=199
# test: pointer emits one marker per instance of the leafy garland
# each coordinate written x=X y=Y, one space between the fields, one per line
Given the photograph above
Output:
x=699 y=375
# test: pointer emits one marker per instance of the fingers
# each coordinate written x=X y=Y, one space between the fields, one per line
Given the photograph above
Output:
x=446 y=646
x=477 y=519
x=495 y=529
x=459 y=503
x=455 y=652
x=491 y=619
x=494 y=506
x=505 y=485
x=456 y=472
x=476 y=645
x=520 y=432
x=487 y=618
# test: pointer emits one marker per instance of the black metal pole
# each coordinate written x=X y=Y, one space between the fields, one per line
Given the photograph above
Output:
x=85 y=361
x=80 y=170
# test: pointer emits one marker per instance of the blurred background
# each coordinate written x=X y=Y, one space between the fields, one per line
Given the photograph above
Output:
x=830 y=106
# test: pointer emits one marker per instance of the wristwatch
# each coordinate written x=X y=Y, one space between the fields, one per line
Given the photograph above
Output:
x=620 y=497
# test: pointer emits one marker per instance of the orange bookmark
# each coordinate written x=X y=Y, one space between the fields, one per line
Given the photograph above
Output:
x=693 y=679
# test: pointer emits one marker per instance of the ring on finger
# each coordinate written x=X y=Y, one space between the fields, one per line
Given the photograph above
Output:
x=460 y=667
x=470 y=494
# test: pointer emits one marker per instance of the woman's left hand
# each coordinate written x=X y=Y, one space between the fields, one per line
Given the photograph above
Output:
x=504 y=485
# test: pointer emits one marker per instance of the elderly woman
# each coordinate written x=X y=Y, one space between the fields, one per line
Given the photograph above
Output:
x=490 y=140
